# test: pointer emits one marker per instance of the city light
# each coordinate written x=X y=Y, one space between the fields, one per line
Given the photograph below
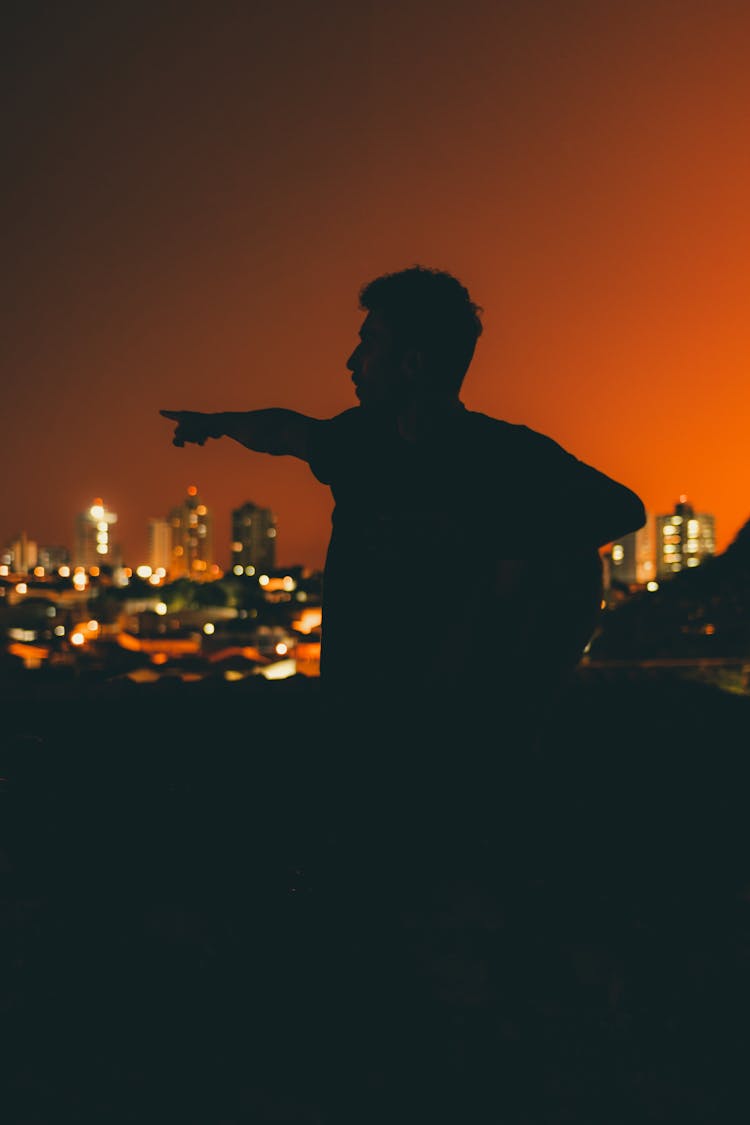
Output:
x=208 y=629
x=652 y=587
x=143 y=571
x=161 y=608
x=21 y=588
x=281 y=649
x=238 y=569
x=77 y=639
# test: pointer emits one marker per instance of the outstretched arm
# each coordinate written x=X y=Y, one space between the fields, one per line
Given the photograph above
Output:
x=274 y=430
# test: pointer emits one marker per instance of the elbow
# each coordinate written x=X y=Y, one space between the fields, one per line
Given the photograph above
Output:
x=637 y=512
x=631 y=516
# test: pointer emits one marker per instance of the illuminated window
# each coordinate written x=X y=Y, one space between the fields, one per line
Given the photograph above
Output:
x=618 y=553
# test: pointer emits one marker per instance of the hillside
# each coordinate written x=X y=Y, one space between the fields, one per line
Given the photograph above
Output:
x=699 y=613
x=212 y=916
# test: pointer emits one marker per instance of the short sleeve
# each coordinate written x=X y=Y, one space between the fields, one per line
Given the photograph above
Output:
x=330 y=443
x=580 y=503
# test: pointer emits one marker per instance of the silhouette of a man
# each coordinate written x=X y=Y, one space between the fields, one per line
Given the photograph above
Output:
x=463 y=556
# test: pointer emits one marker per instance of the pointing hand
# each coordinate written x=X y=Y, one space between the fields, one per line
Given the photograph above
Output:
x=192 y=426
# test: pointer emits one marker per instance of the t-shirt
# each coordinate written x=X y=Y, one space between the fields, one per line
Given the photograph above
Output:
x=420 y=528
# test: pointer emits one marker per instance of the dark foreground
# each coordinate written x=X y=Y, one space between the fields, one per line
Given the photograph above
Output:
x=208 y=918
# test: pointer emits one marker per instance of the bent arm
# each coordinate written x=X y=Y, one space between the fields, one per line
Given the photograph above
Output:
x=274 y=430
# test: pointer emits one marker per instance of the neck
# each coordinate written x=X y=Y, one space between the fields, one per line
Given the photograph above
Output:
x=421 y=417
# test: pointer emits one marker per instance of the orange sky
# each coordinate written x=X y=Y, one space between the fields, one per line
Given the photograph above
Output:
x=195 y=197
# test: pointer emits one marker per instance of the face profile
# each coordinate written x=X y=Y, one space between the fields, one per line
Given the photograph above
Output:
x=375 y=365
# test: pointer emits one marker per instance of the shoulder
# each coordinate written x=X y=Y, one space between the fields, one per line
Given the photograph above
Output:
x=512 y=439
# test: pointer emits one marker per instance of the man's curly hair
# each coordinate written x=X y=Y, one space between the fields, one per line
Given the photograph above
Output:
x=432 y=311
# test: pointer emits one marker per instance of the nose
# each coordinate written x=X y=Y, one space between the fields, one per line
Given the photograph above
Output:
x=352 y=360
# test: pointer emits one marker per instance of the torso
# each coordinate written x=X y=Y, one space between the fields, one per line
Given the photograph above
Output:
x=414 y=589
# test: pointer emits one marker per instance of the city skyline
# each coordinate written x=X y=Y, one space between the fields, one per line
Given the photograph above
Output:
x=217 y=188
x=226 y=550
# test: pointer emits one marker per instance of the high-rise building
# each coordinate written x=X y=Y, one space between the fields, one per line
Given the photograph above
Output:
x=93 y=545
x=191 y=526
x=24 y=554
x=632 y=558
x=160 y=544
x=253 y=539
x=683 y=538
x=51 y=558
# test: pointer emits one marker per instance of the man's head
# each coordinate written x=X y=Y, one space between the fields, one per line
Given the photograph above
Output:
x=418 y=337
